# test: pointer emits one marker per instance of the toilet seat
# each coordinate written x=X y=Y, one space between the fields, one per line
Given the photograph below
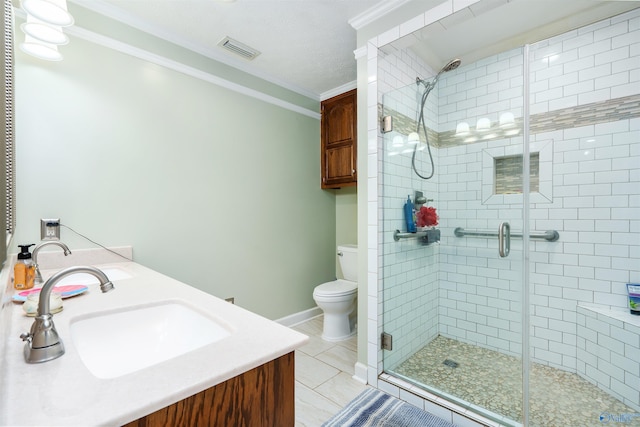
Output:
x=336 y=288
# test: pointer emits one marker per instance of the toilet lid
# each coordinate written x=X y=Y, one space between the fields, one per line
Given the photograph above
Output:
x=336 y=288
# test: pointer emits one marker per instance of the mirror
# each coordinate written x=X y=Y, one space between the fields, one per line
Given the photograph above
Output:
x=8 y=138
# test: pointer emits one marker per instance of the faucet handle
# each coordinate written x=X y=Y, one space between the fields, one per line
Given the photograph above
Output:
x=27 y=336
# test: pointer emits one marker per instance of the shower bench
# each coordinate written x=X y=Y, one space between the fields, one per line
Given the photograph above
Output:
x=608 y=351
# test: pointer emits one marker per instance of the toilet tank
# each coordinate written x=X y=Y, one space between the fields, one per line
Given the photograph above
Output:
x=349 y=261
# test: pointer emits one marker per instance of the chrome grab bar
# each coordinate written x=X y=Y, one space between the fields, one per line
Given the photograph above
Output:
x=550 y=235
x=504 y=239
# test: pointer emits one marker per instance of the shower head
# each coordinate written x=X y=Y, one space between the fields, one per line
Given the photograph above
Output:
x=449 y=66
x=428 y=87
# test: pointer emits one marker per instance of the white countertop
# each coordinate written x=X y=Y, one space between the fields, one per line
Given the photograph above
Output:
x=64 y=392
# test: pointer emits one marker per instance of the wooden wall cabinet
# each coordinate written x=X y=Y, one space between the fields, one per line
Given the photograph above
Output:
x=339 y=135
x=261 y=397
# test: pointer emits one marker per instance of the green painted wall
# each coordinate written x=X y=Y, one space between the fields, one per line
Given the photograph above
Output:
x=346 y=219
x=211 y=187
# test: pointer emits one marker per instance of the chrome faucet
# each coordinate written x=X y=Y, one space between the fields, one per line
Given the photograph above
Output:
x=43 y=343
x=64 y=247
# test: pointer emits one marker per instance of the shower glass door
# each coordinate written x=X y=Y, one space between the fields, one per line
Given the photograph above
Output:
x=535 y=329
x=453 y=309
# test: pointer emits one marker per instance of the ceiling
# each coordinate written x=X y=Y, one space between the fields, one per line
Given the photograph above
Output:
x=493 y=26
x=305 y=45
x=308 y=45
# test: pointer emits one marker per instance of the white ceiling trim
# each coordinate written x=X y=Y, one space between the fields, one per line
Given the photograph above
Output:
x=376 y=12
x=185 y=69
x=339 y=90
x=108 y=10
x=360 y=52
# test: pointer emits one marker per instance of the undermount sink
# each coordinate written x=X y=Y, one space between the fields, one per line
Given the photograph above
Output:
x=116 y=343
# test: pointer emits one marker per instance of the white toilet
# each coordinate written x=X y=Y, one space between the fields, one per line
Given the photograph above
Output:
x=337 y=299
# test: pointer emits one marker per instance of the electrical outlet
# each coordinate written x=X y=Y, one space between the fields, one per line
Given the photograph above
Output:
x=50 y=229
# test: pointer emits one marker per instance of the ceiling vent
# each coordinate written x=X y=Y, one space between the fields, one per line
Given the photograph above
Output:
x=238 y=48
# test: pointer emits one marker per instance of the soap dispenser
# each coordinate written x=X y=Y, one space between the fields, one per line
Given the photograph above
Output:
x=24 y=272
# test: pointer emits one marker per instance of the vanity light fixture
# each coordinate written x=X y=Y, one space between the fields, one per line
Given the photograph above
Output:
x=53 y=12
x=483 y=124
x=462 y=129
x=507 y=120
x=41 y=50
x=413 y=138
x=43 y=32
x=397 y=142
x=43 y=29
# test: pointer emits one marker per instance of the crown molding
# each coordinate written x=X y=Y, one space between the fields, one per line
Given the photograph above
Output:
x=185 y=69
x=374 y=13
x=110 y=11
x=162 y=61
x=360 y=52
x=338 y=90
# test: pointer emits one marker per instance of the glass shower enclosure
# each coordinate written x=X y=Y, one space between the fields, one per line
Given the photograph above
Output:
x=519 y=312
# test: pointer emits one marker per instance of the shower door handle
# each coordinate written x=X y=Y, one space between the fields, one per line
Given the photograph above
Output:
x=504 y=239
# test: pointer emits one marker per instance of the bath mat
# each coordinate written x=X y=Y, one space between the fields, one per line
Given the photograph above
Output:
x=373 y=408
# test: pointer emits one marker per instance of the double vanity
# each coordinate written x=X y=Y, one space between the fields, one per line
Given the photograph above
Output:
x=154 y=351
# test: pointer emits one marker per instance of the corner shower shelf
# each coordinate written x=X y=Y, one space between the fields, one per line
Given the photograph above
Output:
x=397 y=235
x=549 y=235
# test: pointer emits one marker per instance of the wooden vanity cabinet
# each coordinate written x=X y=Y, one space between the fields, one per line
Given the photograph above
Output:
x=261 y=397
x=339 y=136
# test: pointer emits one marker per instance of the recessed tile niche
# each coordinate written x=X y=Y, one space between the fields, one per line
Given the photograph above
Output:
x=508 y=174
x=502 y=174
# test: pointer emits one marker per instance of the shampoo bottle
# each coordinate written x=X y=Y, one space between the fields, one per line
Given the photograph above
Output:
x=409 y=217
x=24 y=272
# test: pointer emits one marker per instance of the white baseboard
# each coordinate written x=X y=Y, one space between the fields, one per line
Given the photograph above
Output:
x=360 y=373
x=303 y=316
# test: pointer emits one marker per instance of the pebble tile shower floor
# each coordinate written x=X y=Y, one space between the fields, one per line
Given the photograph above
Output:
x=492 y=380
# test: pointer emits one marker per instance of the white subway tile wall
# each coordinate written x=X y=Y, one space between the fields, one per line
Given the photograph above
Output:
x=461 y=288
x=410 y=272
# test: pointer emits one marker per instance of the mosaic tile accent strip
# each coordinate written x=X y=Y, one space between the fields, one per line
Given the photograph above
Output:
x=493 y=380
x=594 y=113
x=589 y=114
x=405 y=125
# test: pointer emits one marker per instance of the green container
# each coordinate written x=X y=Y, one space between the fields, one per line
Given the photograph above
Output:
x=634 y=298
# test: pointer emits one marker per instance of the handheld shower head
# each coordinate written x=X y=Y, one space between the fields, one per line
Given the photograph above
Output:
x=428 y=86
x=449 y=66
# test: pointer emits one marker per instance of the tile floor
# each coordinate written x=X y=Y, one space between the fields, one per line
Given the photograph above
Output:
x=324 y=371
